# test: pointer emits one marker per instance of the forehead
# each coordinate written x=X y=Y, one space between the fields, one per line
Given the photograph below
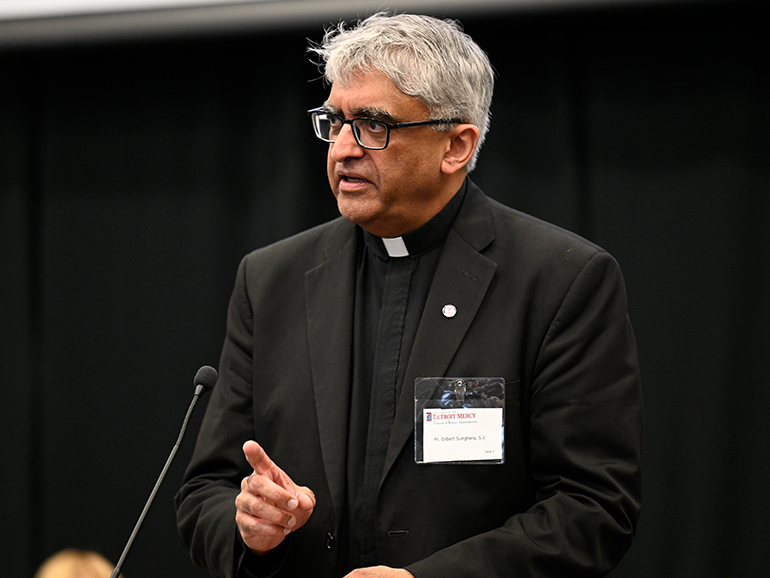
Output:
x=374 y=91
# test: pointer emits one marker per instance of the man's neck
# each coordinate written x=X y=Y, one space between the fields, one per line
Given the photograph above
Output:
x=399 y=227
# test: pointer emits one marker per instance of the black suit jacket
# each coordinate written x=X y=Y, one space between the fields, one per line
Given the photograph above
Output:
x=537 y=305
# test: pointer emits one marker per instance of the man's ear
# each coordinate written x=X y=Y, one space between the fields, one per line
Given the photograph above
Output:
x=460 y=148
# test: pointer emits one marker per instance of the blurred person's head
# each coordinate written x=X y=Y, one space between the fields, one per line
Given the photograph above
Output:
x=73 y=563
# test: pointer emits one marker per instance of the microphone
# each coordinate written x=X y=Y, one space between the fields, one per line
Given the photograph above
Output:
x=205 y=379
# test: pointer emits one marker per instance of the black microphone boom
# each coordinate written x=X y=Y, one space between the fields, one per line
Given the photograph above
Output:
x=205 y=379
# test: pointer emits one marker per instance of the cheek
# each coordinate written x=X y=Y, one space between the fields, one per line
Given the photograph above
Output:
x=330 y=172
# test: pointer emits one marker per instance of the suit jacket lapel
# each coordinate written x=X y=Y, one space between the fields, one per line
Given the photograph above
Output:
x=462 y=279
x=329 y=294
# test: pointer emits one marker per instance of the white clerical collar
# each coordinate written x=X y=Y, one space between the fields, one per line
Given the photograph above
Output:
x=395 y=247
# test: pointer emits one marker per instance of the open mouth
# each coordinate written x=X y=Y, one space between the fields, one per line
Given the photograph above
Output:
x=349 y=179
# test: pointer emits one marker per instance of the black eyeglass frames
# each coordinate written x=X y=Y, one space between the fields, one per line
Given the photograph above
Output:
x=369 y=133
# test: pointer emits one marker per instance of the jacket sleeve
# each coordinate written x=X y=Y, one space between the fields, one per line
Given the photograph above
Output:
x=584 y=446
x=205 y=504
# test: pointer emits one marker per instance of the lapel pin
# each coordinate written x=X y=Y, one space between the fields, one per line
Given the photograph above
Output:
x=449 y=310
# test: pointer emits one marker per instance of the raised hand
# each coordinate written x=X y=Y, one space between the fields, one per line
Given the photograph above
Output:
x=270 y=504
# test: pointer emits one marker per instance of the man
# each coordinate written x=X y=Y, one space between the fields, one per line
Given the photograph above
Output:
x=312 y=457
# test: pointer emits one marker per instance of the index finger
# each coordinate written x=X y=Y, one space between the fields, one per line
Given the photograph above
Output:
x=258 y=458
x=271 y=480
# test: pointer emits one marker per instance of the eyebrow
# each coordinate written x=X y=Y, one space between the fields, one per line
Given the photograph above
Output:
x=364 y=111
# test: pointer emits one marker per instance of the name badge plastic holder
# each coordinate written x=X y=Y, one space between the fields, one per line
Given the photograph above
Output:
x=459 y=420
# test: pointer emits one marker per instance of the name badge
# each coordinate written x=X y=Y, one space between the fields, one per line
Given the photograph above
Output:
x=459 y=420
x=468 y=435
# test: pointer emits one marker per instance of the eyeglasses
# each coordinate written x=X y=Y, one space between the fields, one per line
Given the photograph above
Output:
x=369 y=133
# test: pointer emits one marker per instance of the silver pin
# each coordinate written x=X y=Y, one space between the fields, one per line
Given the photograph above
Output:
x=449 y=310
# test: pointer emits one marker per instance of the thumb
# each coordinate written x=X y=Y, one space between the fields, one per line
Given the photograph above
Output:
x=306 y=498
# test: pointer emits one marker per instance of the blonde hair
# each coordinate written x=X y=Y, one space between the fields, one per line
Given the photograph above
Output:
x=73 y=563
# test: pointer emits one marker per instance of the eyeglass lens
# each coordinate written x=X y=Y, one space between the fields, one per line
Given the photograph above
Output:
x=368 y=133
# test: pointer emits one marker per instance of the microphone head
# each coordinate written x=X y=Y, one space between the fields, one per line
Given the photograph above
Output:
x=205 y=379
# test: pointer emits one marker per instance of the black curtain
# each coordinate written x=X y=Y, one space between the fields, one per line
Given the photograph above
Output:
x=134 y=175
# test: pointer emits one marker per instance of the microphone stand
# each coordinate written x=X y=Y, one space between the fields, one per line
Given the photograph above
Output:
x=199 y=389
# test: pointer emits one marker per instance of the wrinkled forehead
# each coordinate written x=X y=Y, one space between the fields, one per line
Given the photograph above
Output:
x=375 y=95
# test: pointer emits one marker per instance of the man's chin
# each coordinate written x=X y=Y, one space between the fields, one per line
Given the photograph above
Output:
x=357 y=210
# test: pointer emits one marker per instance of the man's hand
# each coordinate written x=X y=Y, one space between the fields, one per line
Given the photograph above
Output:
x=270 y=504
x=380 y=572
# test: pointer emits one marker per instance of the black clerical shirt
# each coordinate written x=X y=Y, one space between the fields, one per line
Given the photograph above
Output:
x=393 y=278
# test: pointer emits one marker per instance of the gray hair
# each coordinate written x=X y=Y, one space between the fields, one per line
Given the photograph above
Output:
x=430 y=59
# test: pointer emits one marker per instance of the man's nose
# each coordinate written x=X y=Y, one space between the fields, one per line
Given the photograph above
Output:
x=345 y=145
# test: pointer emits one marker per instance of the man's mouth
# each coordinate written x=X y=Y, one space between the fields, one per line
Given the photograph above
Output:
x=349 y=179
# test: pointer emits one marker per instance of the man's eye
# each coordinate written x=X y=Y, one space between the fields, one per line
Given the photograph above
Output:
x=373 y=126
x=334 y=121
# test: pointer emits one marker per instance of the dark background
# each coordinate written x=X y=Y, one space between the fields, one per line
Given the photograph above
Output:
x=135 y=174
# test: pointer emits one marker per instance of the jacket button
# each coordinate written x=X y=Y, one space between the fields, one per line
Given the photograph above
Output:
x=330 y=542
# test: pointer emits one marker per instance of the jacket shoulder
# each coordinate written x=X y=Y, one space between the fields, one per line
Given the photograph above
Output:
x=536 y=236
x=305 y=249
